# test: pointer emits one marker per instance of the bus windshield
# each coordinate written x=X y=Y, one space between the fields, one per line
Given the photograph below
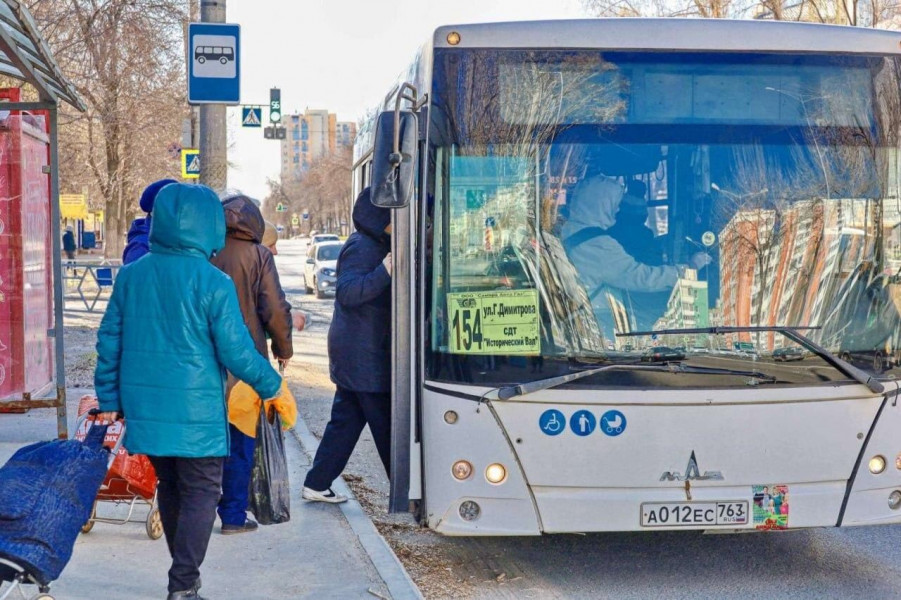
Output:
x=580 y=196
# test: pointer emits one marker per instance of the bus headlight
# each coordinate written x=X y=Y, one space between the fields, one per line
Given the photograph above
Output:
x=496 y=473
x=877 y=465
x=462 y=470
x=898 y=462
x=894 y=500
x=450 y=417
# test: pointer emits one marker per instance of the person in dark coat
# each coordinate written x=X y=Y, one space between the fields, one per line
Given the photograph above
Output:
x=171 y=330
x=69 y=245
x=138 y=239
x=252 y=268
x=359 y=349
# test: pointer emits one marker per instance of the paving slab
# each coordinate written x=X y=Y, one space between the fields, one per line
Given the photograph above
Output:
x=316 y=554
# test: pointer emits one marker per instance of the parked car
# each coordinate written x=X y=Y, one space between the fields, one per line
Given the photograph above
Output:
x=876 y=361
x=318 y=238
x=319 y=270
x=788 y=353
x=661 y=353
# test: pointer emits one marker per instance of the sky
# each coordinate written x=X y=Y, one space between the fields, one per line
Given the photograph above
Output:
x=340 y=55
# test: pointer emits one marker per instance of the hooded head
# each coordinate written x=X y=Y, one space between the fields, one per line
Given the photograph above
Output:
x=69 y=228
x=368 y=218
x=270 y=236
x=187 y=219
x=148 y=196
x=595 y=203
x=243 y=220
x=634 y=206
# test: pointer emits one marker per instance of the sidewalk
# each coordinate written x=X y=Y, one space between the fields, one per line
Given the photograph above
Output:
x=316 y=554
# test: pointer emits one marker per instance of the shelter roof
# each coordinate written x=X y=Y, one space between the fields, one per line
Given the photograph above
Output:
x=24 y=55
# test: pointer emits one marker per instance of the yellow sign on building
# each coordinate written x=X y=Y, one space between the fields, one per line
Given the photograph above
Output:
x=73 y=206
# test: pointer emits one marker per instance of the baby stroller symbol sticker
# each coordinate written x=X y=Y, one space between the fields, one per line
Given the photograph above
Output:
x=552 y=422
x=613 y=423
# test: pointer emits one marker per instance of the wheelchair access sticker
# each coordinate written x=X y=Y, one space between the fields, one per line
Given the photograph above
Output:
x=496 y=322
x=552 y=422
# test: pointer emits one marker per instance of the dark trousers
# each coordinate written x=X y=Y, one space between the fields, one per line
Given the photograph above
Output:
x=351 y=411
x=188 y=492
x=236 y=478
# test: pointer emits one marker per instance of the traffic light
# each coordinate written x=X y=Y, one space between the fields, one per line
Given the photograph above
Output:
x=275 y=106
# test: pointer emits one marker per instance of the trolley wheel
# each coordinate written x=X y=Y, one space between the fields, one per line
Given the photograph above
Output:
x=90 y=524
x=154 y=524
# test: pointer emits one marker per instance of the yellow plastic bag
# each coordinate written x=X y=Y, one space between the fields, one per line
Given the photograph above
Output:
x=244 y=408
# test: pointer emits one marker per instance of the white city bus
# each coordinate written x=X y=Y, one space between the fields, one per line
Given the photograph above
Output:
x=607 y=233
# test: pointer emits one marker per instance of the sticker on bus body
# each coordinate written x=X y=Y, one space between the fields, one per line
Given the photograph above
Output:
x=496 y=322
x=770 y=506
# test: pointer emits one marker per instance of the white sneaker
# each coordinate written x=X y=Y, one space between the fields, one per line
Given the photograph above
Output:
x=326 y=496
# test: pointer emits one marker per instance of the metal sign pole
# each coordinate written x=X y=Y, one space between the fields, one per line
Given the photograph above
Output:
x=62 y=426
x=213 y=134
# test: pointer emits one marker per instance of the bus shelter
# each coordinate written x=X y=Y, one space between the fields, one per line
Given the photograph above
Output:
x=32 y=363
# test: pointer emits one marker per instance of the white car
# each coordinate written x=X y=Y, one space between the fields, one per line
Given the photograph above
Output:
x=320 y=269
x=318 y=238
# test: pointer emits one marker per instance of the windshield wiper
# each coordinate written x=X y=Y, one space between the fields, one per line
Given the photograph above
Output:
x=512 y=391
x=791 y=333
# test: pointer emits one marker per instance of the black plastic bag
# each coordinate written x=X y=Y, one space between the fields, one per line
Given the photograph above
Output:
x=270 y=492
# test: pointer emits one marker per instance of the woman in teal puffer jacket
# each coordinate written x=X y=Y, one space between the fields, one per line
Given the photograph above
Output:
x=172 y=328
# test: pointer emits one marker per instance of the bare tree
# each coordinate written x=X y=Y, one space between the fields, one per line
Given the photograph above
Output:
x=126 y=59
x=323 y=191
x=866 y=13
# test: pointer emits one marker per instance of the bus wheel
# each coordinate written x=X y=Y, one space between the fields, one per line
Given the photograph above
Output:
x=416 y=509
x=201 y=59
x=223 y=60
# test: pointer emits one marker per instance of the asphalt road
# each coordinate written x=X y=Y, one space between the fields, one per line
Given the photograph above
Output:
x=823 y=563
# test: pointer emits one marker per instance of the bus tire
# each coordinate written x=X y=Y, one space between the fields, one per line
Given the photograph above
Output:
x=416 y=509
x=201 y=59
x=223 y=61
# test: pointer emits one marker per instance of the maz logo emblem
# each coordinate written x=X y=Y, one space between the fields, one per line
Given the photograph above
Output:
x=692 y=472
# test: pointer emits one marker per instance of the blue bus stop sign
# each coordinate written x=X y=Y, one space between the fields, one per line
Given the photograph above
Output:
x=214 y=72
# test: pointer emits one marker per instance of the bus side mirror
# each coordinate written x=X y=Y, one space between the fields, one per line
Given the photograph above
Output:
x=394 y=166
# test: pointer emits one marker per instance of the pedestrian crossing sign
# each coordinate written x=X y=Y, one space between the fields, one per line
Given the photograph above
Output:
x=190 y=163
x=251 y=116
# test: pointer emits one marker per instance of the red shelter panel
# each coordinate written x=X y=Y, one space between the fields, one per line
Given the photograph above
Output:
x=26 y=285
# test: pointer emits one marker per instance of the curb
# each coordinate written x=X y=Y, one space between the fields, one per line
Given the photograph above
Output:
x=386 y=563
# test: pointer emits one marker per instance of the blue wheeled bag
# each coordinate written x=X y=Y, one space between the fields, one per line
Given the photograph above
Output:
x=47 y=491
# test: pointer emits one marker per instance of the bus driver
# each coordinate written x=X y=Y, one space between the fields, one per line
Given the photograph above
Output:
x=601 y=261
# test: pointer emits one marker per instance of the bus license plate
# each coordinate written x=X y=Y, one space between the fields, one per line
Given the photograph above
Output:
x=693 y=514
